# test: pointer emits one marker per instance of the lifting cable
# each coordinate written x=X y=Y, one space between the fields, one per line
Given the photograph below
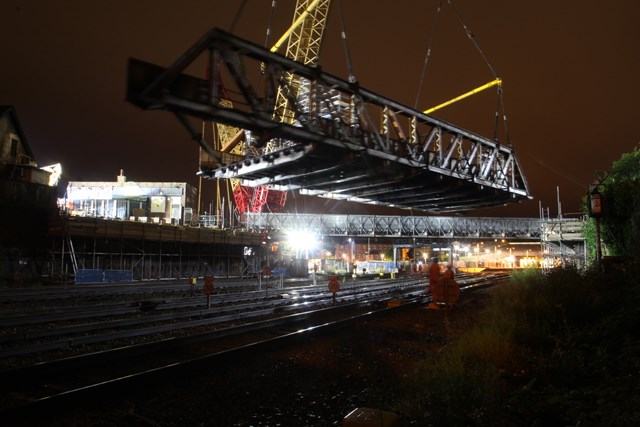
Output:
x=497 y=81
x=473 y=39
x=347 y=54
x=238 y=15
x=500 y=107
x=345 y=43
x=428 y=55
x=268 y=33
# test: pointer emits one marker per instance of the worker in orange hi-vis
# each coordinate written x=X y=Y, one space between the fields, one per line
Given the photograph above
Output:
x=448 y=290
x=434 y=275
x=449 y=273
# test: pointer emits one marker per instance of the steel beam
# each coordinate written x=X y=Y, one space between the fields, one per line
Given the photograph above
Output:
x=332 y=131
x=432 y=227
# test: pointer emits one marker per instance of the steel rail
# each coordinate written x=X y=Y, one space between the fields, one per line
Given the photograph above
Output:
x=207 y=317
x=69 y=396
x=56 y=314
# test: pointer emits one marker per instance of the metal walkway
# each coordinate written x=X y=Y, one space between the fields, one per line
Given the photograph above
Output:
x=431 y=227
x=345 y=143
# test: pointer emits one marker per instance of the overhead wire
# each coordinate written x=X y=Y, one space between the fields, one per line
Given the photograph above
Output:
x=560 y=173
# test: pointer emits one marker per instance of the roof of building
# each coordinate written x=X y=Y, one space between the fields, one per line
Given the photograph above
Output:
x=10 y=111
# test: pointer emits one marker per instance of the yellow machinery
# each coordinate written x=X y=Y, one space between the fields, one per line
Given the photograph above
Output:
x=492 y=83
x=304 y=37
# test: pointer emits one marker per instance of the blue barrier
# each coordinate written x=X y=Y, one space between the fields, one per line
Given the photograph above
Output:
x=84 y=276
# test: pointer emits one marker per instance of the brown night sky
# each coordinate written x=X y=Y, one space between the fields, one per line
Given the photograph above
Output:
x=570 y=70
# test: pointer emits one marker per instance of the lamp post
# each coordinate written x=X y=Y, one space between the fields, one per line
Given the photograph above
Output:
x=455 y=252
x=351 y=244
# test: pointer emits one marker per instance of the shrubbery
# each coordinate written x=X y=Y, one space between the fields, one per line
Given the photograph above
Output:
x=555 y=349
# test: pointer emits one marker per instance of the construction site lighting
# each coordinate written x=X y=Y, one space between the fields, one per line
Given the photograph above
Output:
x=301 y=240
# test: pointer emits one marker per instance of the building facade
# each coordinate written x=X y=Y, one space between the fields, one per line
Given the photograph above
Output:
x=158 y=202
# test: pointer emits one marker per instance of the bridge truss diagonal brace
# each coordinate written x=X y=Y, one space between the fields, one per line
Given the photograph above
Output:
x=461 y=155
x=432 y=227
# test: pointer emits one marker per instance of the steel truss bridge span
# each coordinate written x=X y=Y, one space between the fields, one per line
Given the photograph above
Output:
x=432 y=227
x=345 y=142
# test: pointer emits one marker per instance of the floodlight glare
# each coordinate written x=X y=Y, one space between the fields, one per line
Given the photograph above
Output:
x=301 y=240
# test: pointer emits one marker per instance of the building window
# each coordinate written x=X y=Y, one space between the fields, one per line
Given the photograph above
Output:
x=14 y=146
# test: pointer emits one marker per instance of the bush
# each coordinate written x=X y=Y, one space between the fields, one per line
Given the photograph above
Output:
x=561 y=348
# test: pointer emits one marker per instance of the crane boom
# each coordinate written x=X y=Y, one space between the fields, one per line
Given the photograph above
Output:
x=495 y=82
x=304 y=38
x=296 y=22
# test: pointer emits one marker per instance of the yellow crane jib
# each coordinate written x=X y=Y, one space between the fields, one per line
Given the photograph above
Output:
x=295 y=25
x=239 y=137
x=495 y=82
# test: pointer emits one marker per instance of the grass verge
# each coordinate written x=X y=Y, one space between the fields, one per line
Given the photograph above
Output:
x=561 y=348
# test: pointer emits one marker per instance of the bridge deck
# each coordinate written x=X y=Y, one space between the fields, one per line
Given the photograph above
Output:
x=345 y=141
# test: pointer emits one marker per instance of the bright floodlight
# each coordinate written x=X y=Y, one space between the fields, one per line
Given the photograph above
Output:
x=55 y=171
x=301 y=240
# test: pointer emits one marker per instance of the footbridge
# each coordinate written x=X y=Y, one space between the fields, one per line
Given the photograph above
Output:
x=417 y=227
x=559 y=238
x=344 y=142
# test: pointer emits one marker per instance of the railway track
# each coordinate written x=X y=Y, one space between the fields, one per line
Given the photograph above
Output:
x=56 y=384
x=69 y=327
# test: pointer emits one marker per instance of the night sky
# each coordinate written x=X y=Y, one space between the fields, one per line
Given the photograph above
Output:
x=570 y=73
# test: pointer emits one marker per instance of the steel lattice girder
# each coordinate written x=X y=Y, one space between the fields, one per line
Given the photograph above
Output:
x=447 y=227
x=340 y=151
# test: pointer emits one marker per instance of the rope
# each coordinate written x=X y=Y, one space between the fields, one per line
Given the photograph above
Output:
x=351 y=78
x=428 y=55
